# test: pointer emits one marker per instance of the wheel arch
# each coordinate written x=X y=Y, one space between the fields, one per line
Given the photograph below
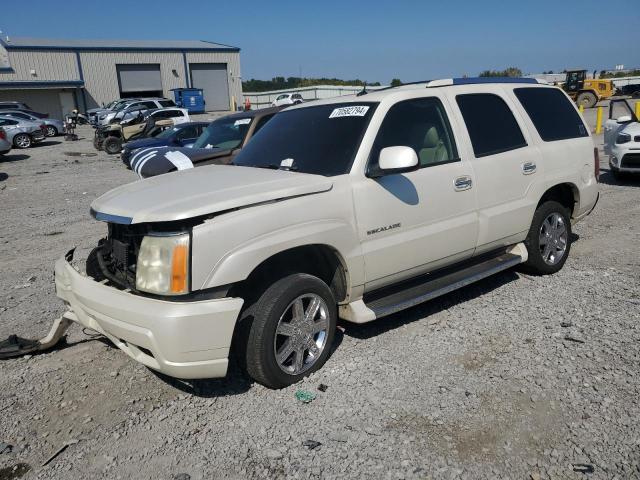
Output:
x=320 y=260
x=567 y=194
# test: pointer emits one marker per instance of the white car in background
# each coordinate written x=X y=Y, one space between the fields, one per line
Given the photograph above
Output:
x=622 y=139
x=287 y=99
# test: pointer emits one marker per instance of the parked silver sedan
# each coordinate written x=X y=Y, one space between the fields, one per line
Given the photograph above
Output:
x=53 y=126
x=5 y=145
x=22 y=133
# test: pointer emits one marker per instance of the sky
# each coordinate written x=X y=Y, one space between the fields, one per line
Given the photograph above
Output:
x=372 y=41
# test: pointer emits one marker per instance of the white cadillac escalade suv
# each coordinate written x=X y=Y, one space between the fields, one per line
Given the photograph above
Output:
x=354 y=207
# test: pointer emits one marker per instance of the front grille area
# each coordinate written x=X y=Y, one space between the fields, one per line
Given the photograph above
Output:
x=117 y=254
x=630 y=160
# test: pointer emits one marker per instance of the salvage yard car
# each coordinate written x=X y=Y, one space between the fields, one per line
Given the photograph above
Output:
x=354 y=207
x=5 y=145
x=622 y=139
x=222 y=140
x=22 y=133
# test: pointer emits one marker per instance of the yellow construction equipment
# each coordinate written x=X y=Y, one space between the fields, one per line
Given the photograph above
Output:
x=586 y=92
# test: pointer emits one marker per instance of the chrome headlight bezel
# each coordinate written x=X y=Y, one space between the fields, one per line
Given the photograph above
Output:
x=164 y=264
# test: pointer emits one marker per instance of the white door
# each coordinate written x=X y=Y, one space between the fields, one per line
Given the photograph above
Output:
x=504 y=166
x=67 y=102
x=414 y=222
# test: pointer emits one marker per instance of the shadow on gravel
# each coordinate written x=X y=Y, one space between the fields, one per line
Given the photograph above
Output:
x=45 y=143
x=426 y=309
x=3 y=176
x=13 y=157
x=627 y=180
x=237 y=382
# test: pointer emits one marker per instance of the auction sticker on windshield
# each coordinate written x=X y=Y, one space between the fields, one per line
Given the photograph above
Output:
x=242 y=121
x=352 y=111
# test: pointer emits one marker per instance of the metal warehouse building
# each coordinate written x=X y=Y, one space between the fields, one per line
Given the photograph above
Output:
x=55 y=76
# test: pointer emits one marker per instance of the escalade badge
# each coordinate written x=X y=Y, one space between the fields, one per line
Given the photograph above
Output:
x=383 y=229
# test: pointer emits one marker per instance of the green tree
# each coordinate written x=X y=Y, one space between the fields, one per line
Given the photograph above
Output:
x=396 y=82
x=509 y=72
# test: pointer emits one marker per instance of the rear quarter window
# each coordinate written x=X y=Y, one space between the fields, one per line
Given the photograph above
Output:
x=552 y=113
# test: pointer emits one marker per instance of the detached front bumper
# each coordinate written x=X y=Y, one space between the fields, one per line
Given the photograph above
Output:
x=181 y=339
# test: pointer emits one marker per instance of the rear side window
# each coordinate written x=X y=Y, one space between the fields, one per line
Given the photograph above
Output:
x=491 y=125
x=167 y=103
x=551 y=113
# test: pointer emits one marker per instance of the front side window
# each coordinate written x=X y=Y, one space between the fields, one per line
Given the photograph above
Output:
x=225 y=133
x=491 y=125
x=552 y=113
x=187 y=132
x=420 y=124
x=322 y=139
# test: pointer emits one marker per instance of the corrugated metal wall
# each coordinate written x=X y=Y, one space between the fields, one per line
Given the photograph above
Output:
x=49 y=65
x=232 y=59
x=101 y=77
x=99 y=69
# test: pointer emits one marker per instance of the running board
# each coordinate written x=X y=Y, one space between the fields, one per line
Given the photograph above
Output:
x=435 y=285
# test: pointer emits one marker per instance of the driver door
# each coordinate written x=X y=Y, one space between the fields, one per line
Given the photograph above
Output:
x=414 y=222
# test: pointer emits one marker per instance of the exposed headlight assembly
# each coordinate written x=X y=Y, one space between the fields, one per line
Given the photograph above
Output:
x=623 y=138
x=163 y=264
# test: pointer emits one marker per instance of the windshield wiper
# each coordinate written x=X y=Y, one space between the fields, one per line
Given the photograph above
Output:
x=272 y=166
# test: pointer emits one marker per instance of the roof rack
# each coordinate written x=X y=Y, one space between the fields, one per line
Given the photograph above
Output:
x=445 y=82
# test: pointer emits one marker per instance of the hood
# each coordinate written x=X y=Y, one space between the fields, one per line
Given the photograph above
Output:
x=146 y=142
x=632 y=129
x=202 y=191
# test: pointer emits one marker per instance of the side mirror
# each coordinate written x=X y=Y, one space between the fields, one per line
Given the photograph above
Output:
x=624 y=119
x=397 y=160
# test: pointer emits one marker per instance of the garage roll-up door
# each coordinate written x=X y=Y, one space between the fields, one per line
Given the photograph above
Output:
x=212 y=79
x=139 y=78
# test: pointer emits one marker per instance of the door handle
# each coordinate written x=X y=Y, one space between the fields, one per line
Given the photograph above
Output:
x=528 y=168
x=463 y=183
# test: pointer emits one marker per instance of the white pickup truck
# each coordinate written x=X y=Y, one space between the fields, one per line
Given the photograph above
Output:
x=354 y=207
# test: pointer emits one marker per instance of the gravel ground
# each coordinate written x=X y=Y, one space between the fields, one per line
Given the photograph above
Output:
x=514 y=377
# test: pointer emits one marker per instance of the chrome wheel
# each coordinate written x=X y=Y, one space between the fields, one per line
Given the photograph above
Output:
x=553 y=239
x=51 y=131
x=23 y=141
x=301 y=334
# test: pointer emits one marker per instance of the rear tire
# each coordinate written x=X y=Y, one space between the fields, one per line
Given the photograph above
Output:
x=288 y=331
x=51 y=131
x=587 y=99
x=22 y=140
x=549 y=240
x=112 y=145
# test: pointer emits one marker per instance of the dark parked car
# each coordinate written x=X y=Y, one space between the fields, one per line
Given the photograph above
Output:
x=180 y=135
x=219 y=144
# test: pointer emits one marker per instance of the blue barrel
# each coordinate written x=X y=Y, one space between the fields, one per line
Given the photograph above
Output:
x=190 y=98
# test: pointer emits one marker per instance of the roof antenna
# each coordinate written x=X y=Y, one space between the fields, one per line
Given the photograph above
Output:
x=363 y=91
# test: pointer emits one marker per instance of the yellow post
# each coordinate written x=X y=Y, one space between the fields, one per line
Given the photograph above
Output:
x=637 y=109
x=581 y=108
x=599 y=120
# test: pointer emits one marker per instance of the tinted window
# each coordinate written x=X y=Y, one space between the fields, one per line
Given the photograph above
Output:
x=149 y=104
x=225 y=133
x=167 y=103
x=490 y=123
x=8 y=122
x=552 y=113
x=420 y=124
x=8 y=105
x=187 y=132
x=261 y=122
x=322 y=140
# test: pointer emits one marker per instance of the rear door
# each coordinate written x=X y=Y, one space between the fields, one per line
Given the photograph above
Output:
x=504 y=164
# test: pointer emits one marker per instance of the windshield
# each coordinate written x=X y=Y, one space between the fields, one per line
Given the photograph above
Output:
x=226 y=133
x=322 y=140
x=168 y=132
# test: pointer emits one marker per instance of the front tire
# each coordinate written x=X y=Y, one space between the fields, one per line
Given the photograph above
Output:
x=587 y=99
x=289 y=330
x=112 y=145
x=549 y=239
x=22 y=140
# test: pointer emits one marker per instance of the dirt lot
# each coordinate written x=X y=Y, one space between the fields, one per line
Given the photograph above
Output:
x=514 y=377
